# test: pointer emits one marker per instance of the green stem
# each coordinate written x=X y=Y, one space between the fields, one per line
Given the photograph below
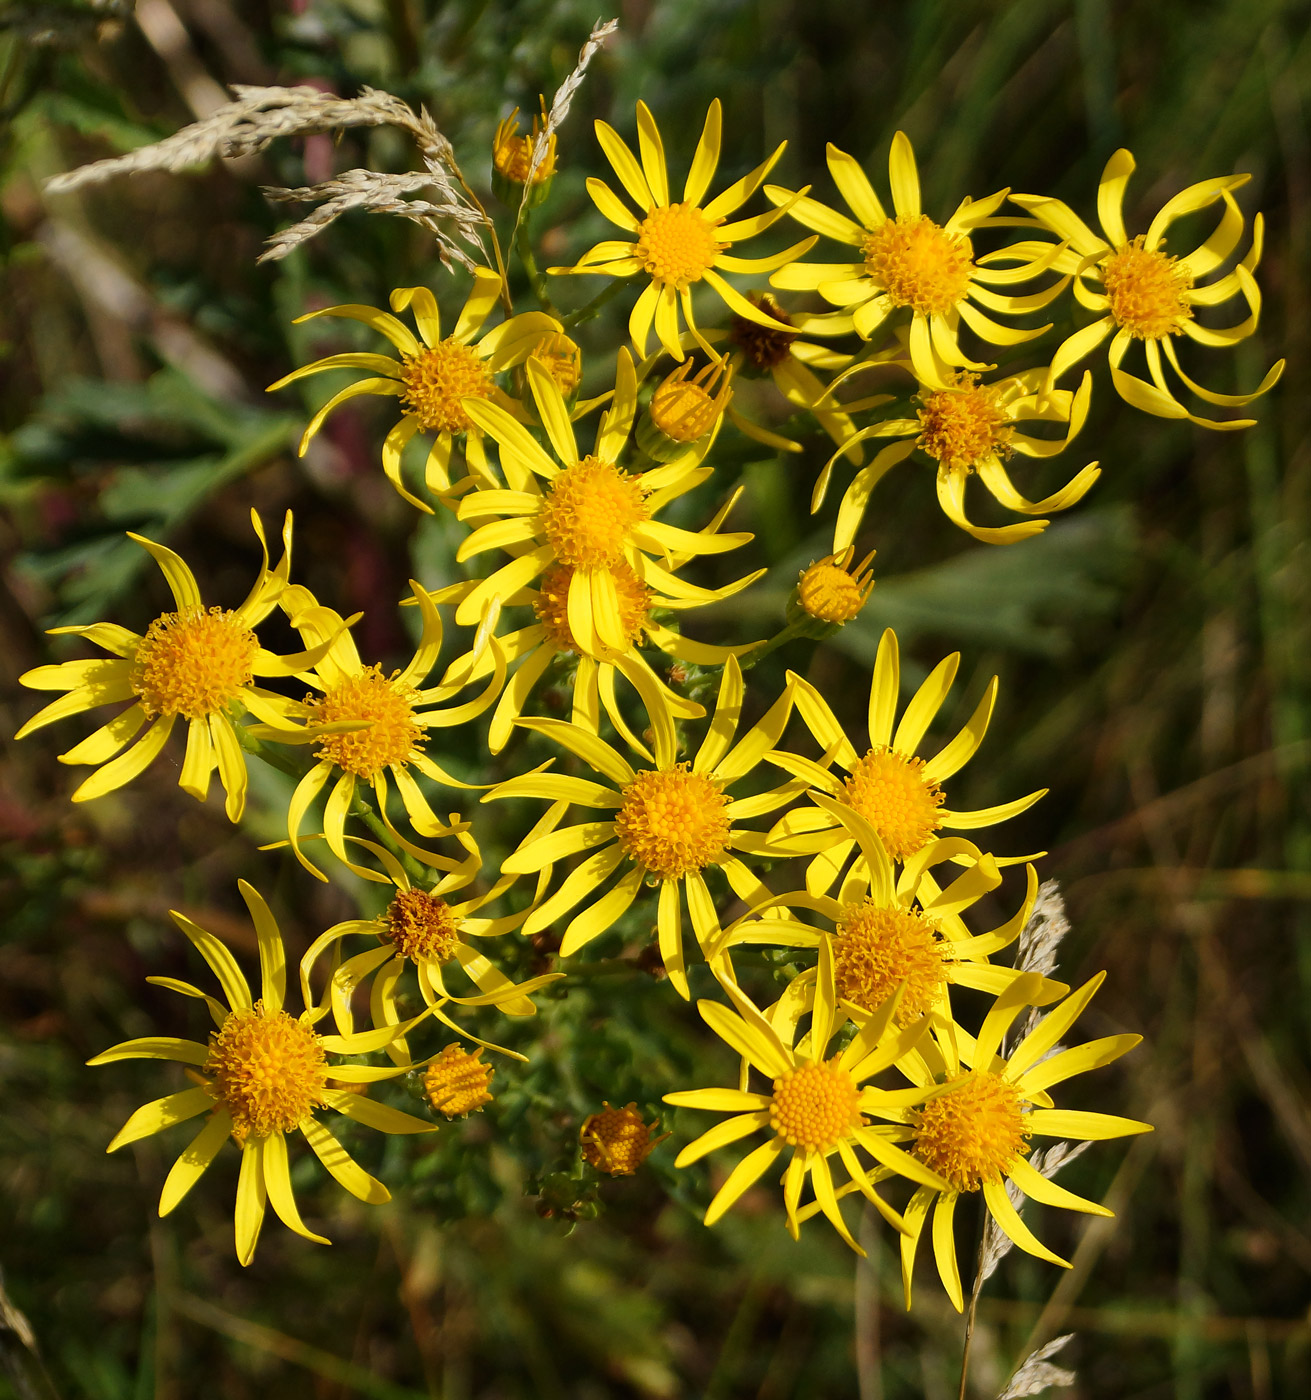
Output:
x=593 y=307
x=788 y=634
x=523 y=247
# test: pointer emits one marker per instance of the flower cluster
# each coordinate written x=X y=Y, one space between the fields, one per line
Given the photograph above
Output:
x=784 y=842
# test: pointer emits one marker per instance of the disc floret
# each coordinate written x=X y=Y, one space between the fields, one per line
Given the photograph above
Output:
x=590 y=509
x=617 y=1141
x=673 y=821
x=552 y=606
x=421 y=926
x=456 y=1083
x=437 y=378
x=876 y=949
x=965 y=425
x=1148 y=290
x=919 y=264
x=394 y=732
x=267 y=1069
x=972 y=1133
x=676 y=244
x=890 y=791
x=193 y=663
x=815 y=1106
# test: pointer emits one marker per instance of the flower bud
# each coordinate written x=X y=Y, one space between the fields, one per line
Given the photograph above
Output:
x=682 y=410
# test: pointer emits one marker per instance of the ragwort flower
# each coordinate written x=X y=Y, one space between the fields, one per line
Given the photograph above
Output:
x=671 y=823
x=678 y=244
x=434 y=376
x=886 y=932
x=368 y=725
x=969 y=429
x=263 y=1075
x=816 y=1106
x=909 y=261
x=589 y=515
x=423 y=929
x=899 y=794
x=981 y=1109
x=195 y=664
x=1141 y=292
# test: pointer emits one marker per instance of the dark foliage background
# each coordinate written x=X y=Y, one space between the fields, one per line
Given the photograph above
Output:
x=1152 y=646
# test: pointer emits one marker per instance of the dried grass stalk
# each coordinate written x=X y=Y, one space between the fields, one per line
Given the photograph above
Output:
x=261 y=115
x=562 y=101
x=1037 y=1373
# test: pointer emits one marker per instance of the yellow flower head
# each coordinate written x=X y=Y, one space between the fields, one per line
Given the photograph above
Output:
x=369 y=725
x=889 y=787
x=677 y=244
x=981 y=1109
x=666 y=825
x=264 y=1075
x=512 y=154
x=455 y=1084
x=966 y=428
x=832 y=591
x=906 y=260
x=587 y=514
x=434 y=376
x=1143 y=293
x=423 y=930
x=817 y=1105
x=617 y=1141
x=683 y=410
x=886 y=932
x=197 y=664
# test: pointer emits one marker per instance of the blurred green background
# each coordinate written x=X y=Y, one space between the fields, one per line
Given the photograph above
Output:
x=1153 y=648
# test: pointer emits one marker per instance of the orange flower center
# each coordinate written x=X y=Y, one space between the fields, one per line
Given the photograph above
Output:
x=422 y=927
x=965 y=425
x=676 y=243
x=815 y=1106
x=830 y=592
x=552 y=605
x=876 y=949
x=616 y=1140
x=1148 y=291
x=763 y=347
x=436 y=379
x=973 y=1132
x=918 y=264
x=589 y=510
x=193 y=663
x=673 y=821
x=267 y=1069
x=891 y=793
x=456 y=1082
x=393 y=734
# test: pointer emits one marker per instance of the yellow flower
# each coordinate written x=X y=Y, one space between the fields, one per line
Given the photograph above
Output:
x=512 y=156
x=832 y=591
x=263 y=1075
x=589 y=515
x=984 y=1106
x=909 y=261
x=197 y=664
x=899 y=794
x=455 y=1084
x=433 y=377
x=816 y=1106
x=378 y=725
x=669 y=823
x=1141 y=292
x=968 y=429
x=423 y=929
x=678 y=244
x=617 y=1141
x=886 y=932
